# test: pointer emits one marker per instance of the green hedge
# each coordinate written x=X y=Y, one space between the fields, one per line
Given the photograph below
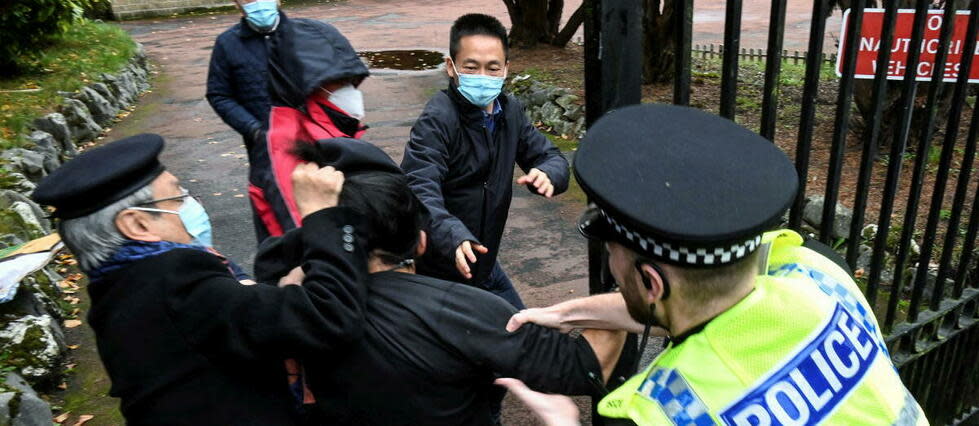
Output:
x=28 y=25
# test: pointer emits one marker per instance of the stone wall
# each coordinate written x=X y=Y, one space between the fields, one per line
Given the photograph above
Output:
x=552 y=109
x=132 y=9
x=32 y=341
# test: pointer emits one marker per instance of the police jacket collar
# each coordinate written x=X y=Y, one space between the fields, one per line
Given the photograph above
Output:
x=467 y=111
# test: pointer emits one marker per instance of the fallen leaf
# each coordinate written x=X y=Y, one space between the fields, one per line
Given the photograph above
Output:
x=61 y=419
x=82 y=419
x=72 y=323
x=73 y=347
x=70 y=366
x=63 y=386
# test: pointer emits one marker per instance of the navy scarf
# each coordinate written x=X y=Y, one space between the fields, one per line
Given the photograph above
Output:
x=132 y=251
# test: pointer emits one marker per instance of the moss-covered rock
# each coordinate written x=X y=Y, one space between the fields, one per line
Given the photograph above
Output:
x=20 y=405
x=35 y=348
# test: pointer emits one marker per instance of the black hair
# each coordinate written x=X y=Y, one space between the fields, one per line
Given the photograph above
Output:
x=394 y=213
x=477 y=24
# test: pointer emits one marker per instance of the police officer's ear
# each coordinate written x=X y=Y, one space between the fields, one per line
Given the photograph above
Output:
x=422 y=244
x=655 y=282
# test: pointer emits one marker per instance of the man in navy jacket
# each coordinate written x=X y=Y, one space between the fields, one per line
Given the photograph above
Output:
x=460 y=157
x=237 y=84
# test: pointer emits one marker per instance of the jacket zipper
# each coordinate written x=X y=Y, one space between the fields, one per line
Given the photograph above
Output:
x=482 y=216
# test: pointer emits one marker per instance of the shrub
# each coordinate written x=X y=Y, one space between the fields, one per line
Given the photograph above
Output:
x=27 y=25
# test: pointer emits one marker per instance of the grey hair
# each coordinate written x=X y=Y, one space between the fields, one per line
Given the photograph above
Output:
x=94 y=238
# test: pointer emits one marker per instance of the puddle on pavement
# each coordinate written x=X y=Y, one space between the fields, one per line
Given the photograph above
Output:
x=414 y=60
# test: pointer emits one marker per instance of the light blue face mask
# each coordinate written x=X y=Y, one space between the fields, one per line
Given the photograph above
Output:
x=479 y=90
x=263 y=14
x=194 y=218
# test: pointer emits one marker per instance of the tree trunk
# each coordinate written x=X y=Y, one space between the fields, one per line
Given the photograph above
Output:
x=659 y=39
x=529 y=22
x=575 y=21
x=539 y=21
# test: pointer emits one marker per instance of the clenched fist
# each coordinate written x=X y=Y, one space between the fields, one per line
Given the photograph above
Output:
x=316 y=188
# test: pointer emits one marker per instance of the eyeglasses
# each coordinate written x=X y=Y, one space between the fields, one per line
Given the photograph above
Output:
x=184 y=193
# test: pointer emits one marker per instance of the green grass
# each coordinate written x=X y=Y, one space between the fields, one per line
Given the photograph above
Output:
x=68 y=64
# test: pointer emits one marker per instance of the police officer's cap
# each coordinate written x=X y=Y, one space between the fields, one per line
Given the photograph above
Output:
x=101 y=176
x=681 y=186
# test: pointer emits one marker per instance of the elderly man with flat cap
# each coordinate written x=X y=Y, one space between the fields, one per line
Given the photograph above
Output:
x=183 y=342
x=762 y=329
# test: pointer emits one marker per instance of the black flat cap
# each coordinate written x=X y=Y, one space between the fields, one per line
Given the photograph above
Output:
x=348 y=155
x=101 y=176
x=680 y=185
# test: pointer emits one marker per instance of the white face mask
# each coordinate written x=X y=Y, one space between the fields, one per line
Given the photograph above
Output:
x=349 y=99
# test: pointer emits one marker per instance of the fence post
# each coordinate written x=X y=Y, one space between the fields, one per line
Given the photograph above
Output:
x=613 y=33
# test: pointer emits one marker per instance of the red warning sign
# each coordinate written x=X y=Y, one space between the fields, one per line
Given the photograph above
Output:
x=870 y=44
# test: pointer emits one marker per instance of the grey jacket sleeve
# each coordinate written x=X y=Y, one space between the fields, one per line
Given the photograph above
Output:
x=535 y=151
x=425 y=163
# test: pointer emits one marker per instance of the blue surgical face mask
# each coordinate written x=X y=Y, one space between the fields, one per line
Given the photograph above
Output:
x=479 y=90
x=263 y=14
x=194 y=218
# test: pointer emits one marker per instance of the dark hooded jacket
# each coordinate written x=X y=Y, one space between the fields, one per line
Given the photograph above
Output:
x=463 y=174
x=302 y=56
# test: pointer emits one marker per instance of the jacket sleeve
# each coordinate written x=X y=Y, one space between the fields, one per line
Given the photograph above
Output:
x=534 y=150
x=474 y=322
x=221 y=94
x=225 y=320
x=425 y=163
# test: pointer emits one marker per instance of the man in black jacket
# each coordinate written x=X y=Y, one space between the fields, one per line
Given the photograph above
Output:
x=460 y=156
x=431 y=348
x=183 y=342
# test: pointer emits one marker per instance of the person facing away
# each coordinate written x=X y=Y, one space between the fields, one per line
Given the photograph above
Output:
x=314 y=73
x=460 y=156
x=763 y=329
x=431 y=348
x=237 y=85
x=183 y=342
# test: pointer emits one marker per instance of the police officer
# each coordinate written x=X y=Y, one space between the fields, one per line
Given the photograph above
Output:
x=762 y=329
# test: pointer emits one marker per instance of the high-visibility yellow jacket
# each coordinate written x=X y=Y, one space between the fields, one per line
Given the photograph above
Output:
x=802 y=348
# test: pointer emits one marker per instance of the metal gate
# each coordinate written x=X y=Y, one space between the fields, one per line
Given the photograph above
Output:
x=931 y=333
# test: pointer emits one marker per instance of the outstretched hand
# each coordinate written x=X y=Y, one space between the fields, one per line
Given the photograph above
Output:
x=466 y=254
x=553 y=410
x=539 y=180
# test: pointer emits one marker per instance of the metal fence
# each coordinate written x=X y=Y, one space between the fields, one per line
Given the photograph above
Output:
x=710 y=51
x=931 y=333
